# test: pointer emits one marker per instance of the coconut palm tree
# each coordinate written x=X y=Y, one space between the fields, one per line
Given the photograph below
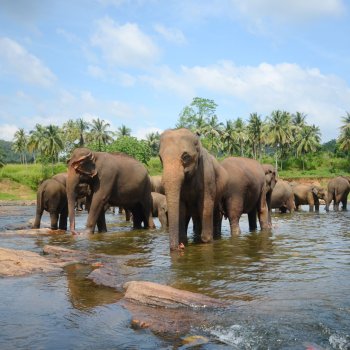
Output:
x=153 y=140
x=279 y=132
x=36 y=142
x=309 y=141
x=240 y=134
x=82 y=127
x=99 y=133
x=123 y=131
x=228 y=138
x=213 y=130
x=20 y=143
x=53 y=143
x=344 y=137
x=255 y=134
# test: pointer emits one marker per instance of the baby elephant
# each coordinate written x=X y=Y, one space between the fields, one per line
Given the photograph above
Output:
x=160 y=208
x=283 y=197
x=52 y=197
x=308 y=194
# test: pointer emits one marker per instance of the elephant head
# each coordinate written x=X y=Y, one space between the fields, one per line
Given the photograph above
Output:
x=81 y=168
x=319 y=192
x=180 y=152
x=270 y=177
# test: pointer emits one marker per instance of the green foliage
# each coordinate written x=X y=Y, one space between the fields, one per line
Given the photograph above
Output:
x=31 y=174
x=154 y=166
x=135 y=148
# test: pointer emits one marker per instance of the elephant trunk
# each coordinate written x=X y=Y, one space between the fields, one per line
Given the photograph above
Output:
x=173 y=177
x=72 y=182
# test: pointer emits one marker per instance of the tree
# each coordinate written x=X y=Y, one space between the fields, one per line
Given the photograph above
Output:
x=153 y=140
x=279 y=132
x=213 y=131
x=20 y=143
x=139 y=150
x=309 y=141
x=82 y=127
x=228 y=138
x=197 y=114
x=53 y=143
x=36 y=143
x=123 y=131
x=240 y=134
x=255 y=134
x=99 y=133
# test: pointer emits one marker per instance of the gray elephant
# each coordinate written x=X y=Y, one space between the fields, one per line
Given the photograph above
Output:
x=194 y=183
x=308 y=194
x=245 y=193
x=282 y=197
x=52 y=197
x=338 y=190
x=115 y=179
x=157 y=184
x=160 y=208
x=270 y=180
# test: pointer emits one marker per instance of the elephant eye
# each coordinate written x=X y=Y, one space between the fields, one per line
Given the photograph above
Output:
x=186 y=158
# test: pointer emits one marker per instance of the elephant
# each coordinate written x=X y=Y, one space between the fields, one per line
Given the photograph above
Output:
x=194 y=183
x=160 y=208
x=308 y=194
x=83 y=197
x=115 y=179
x=52 y=197
x=337 y=191
x=156 y=183
x=282 y=197
x=270 y=180
x=245 y=193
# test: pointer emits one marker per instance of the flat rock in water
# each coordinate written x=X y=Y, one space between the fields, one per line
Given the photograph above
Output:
x=154 y=294
x=22 y=262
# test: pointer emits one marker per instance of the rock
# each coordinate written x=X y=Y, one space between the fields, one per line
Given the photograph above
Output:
x=22 y=262
x=154 y=294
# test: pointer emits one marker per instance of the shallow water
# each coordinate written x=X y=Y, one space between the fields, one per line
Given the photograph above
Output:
x=287 y=289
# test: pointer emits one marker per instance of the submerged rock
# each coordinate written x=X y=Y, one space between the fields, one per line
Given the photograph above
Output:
x=154 y=294
x=22 y=262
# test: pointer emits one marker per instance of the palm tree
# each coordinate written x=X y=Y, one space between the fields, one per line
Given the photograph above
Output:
x=123 y=131
x=240 y=134
x=228 y=138
x=255 y=134
x=213 y=130
x=82 y=127
x=20 y=144
x=99 y=133
x=309 y=141
x=153 y=140
x=279 y=132
x=53 y=143
x=37 y=140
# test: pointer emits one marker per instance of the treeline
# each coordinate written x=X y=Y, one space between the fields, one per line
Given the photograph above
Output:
x=285 y=136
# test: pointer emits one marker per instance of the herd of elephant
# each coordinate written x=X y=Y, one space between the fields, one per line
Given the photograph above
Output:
x=194 y=186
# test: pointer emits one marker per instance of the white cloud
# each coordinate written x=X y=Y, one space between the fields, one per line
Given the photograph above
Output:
x=16 y=60
x=264 y=88
x=142 y=133
x=124 y=45
x=7 y=132
x=173 y=35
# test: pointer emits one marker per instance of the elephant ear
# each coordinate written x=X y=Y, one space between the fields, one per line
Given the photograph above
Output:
x=85 y=165
x=315 y=190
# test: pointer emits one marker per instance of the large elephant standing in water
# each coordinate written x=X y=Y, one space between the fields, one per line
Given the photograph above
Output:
x=245 y=193
x=194 y=183
x=338 y=190
x=115 y=179
x=283 y=197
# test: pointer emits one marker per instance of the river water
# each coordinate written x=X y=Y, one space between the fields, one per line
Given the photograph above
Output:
x=285 y=289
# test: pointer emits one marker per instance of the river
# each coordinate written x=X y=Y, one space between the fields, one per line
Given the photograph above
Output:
x=286 y=289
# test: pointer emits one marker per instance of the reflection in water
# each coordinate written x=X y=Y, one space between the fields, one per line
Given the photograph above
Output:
x=83 y=293
x=287 y=288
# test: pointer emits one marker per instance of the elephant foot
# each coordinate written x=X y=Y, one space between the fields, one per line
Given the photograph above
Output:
x=206 y=238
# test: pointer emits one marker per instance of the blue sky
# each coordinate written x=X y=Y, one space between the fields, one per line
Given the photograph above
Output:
x=139 y=62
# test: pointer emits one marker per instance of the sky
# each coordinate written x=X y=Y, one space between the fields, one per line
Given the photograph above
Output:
x=138 y=63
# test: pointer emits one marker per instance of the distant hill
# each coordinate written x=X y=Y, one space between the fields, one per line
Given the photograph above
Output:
x=6 y=153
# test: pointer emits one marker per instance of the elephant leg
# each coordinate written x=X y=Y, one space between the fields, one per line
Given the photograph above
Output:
x=234 y=210
x=137 y=217
x=217 y=223
x=283 y=210
x=37 y=220
x=101 y=222
x=127 y=214
x=54 y=220
x=97 y=207
x=252 y=219
x=162 y=218
x=62 y=225
x=336 y=205
x=344 y=204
